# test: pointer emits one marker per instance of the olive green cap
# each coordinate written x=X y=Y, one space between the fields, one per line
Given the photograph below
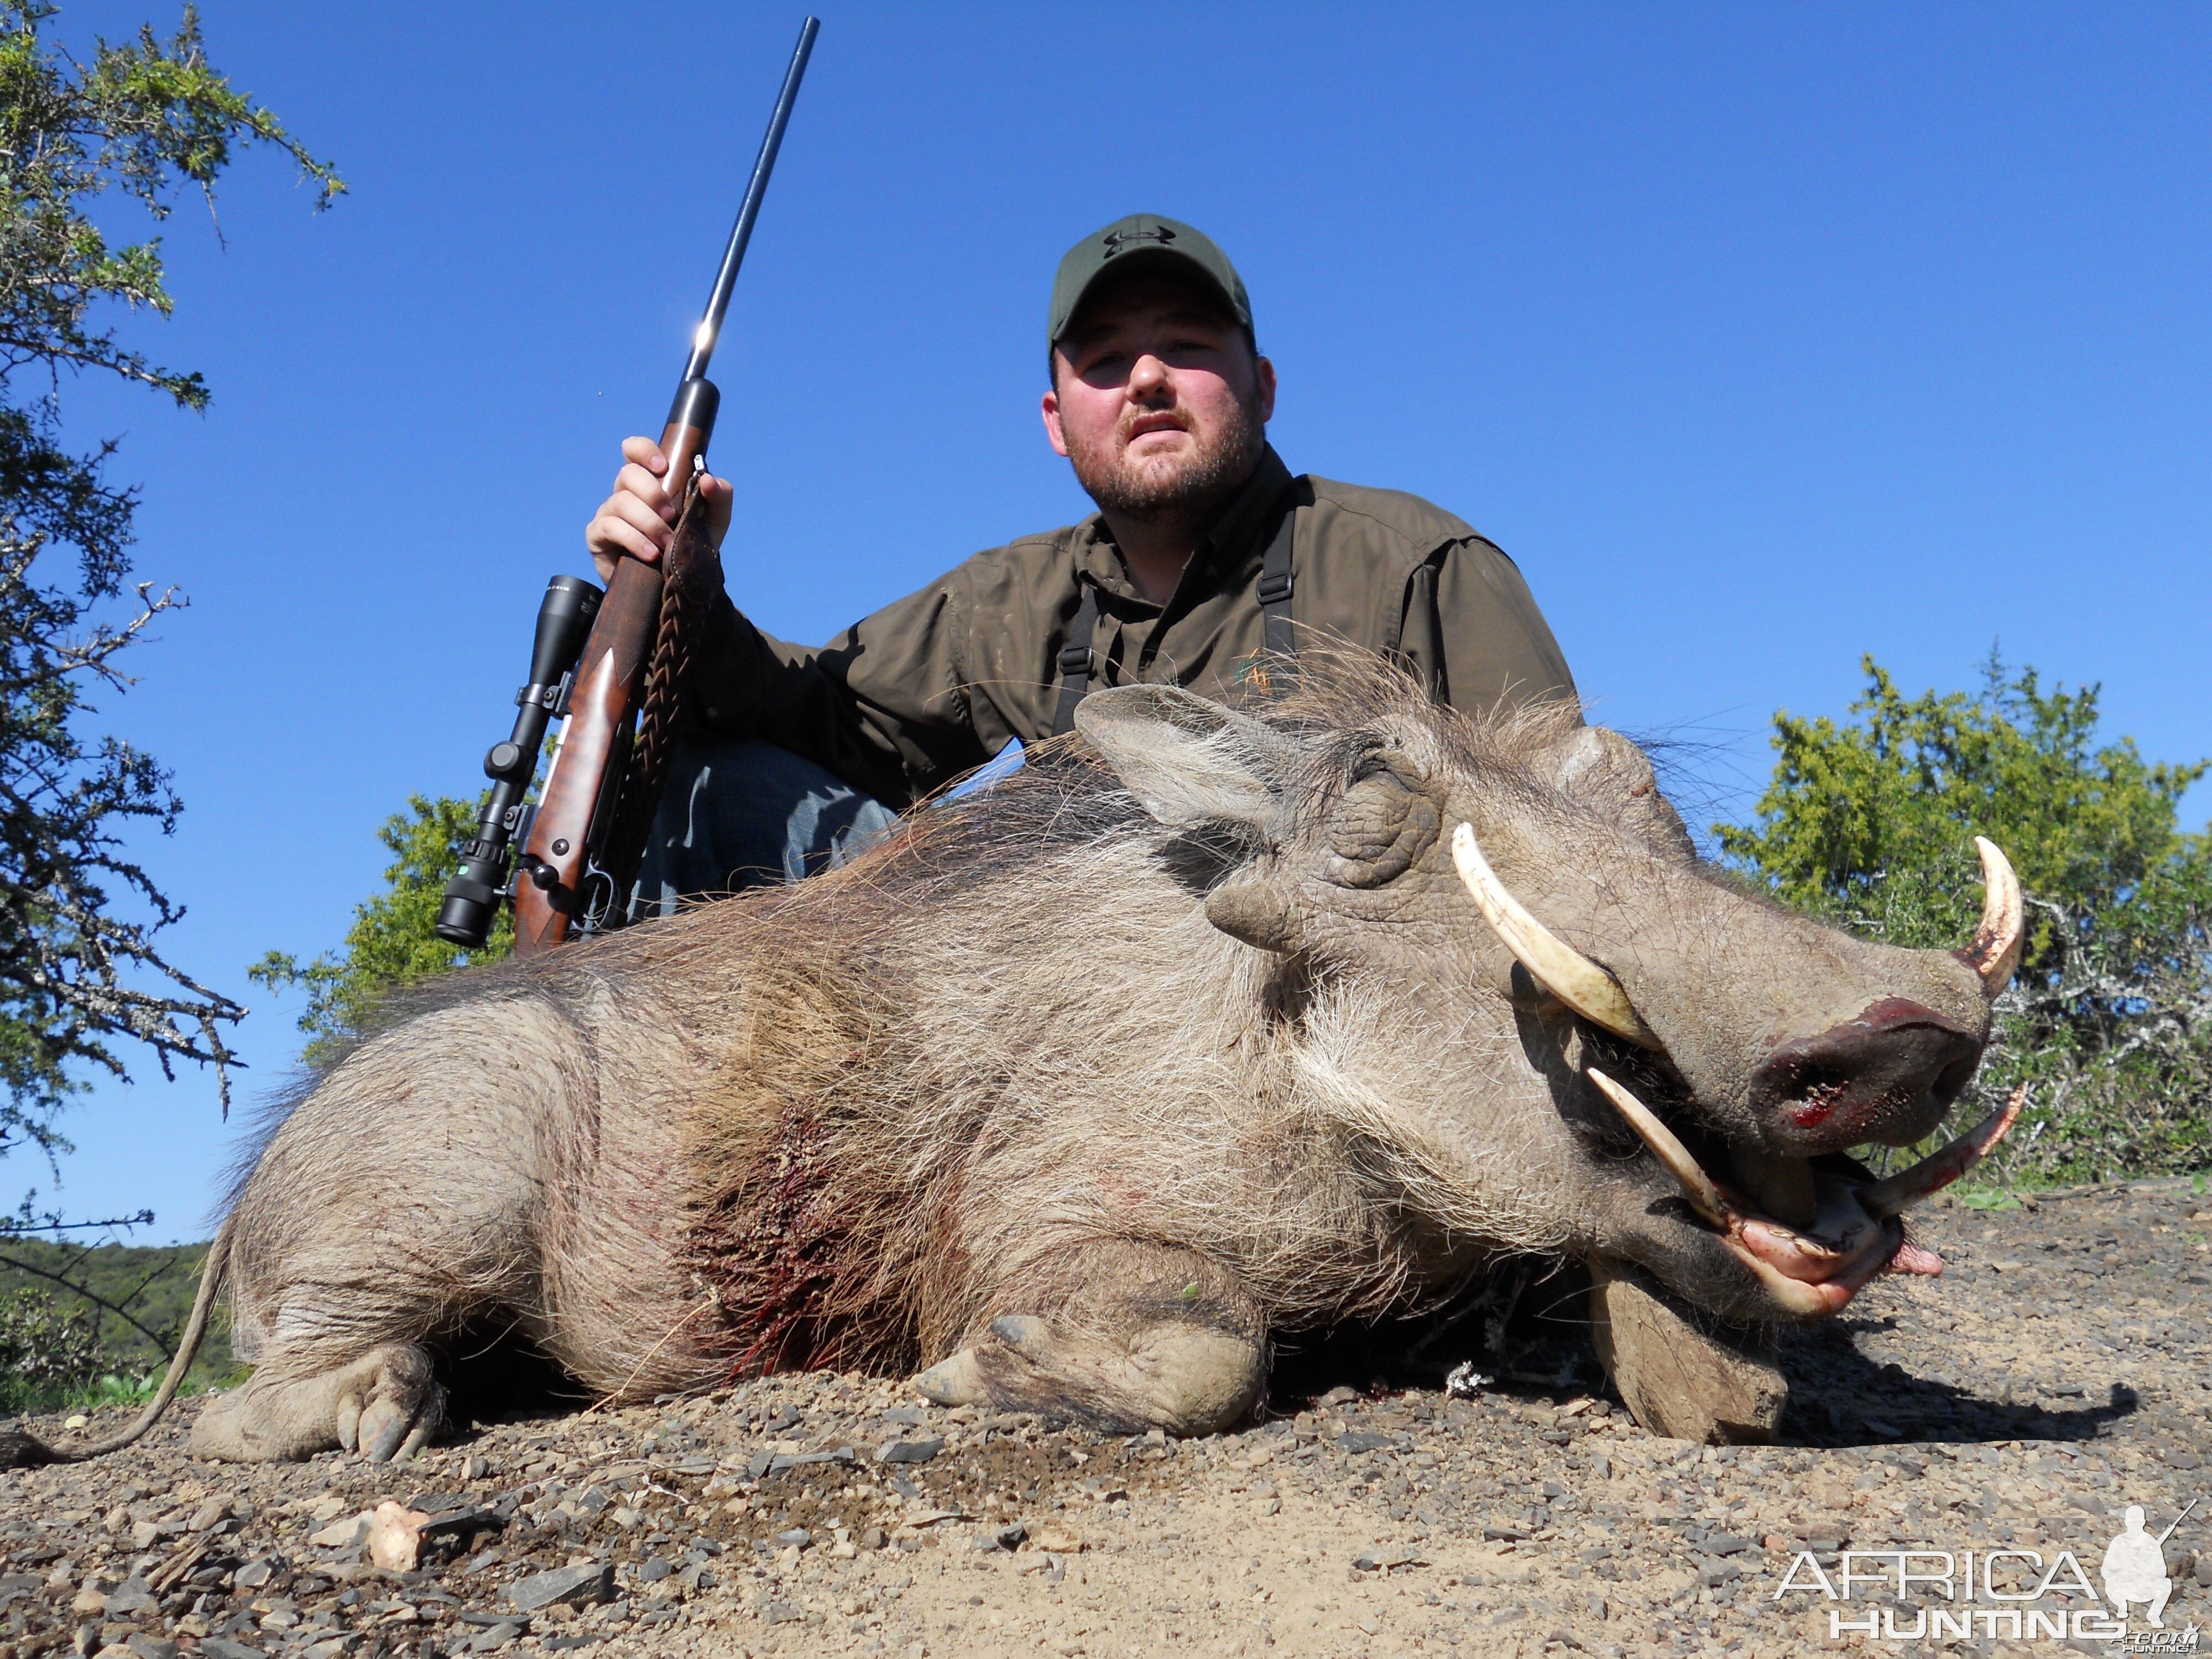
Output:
x=1143 y=241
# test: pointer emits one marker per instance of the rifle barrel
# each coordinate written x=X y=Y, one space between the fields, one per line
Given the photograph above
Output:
x=2179 y=1519
x=725 y=279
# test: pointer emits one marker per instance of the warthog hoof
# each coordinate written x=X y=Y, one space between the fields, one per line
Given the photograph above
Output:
x=1186 y=1379
x=385 y=1405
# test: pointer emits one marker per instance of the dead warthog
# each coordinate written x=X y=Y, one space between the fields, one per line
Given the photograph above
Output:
x=1215 y=1026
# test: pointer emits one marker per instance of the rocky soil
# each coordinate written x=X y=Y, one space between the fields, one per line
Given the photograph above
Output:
x=2055 y=1374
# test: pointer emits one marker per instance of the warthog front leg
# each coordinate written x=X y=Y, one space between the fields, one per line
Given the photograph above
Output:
x=386 y=1404
x=1120 y=1334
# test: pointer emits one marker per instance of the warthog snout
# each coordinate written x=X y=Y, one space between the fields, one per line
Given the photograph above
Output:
x=1888 y=1075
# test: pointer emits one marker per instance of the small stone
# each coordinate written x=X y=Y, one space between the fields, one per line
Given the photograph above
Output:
x=1053 y=1541
x=496 y=1636
x=77 y=1420
x=151 y=1647
x=221 y=1647
x=349 y=1533
x=796 y=1538
x=1009 y=1538
x=564 y=1587
x=213 y=1509
x=909 y=1451
x=781 y=1613
x=395 y=1536
x=874 y=1538
x=328 y=1507
x=89 y=1603
x=132 y=1600
x=256 y=1573
x=653 y=1569
x=143 y=1535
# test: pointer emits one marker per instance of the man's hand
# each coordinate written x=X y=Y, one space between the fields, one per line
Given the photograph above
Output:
x=639 y=519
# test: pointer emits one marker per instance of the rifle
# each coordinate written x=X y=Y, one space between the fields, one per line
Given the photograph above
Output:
x=581 y=843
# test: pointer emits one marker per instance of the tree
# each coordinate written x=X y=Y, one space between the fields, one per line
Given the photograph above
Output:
x=78 y=973
x=2110 y=1020
x=394 y=941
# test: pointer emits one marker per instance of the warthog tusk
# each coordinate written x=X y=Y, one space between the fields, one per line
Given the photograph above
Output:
x=1994 y=952
x=1893 y=1194
x=1697 y=1186
x=1560 y=968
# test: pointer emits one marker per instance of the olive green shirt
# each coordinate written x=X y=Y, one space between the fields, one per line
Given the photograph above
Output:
x=928 y=687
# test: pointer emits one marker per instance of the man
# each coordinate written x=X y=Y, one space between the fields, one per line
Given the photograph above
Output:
x=1204 y=552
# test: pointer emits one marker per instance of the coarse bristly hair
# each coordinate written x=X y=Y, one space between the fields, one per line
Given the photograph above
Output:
x=845 y=1122
x=1011 y=1032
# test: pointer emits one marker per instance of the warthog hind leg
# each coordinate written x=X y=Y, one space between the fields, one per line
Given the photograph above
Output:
x=385 y=1405
x=1126 y=1336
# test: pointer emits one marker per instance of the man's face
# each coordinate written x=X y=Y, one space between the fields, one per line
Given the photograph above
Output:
x=1157 y=401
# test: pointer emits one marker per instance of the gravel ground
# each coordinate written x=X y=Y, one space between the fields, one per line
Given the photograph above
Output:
x=2054 y=1375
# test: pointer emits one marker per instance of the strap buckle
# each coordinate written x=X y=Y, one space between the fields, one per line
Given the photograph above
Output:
x=1074 y=660
x=1275 y=587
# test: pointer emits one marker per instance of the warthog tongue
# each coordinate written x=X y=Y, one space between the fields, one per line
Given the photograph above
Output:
x=1812 y=1240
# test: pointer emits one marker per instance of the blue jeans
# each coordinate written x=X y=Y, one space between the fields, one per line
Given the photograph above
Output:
x=739 y=815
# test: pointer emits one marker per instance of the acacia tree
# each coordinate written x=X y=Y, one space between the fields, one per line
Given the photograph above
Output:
x=79 y=968
x=1871 y=822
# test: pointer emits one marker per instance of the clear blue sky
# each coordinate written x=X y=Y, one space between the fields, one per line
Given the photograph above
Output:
x=1761 y=337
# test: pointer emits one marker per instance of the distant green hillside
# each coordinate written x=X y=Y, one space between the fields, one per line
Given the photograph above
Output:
x=155 y=1286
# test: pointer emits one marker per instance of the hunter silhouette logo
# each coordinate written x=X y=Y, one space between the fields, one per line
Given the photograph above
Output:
x=2135 y=1567
x=2008 y=1594
x=1121 y=240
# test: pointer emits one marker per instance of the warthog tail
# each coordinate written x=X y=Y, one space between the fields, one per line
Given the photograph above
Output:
x=20 y=1450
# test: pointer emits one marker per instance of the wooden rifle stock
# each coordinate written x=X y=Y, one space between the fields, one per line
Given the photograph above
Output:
x=574 y=817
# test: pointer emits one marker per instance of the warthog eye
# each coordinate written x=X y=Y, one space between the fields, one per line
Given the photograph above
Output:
x=1380 y=827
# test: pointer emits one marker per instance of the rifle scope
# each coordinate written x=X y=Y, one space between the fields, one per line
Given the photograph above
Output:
x=564 y=620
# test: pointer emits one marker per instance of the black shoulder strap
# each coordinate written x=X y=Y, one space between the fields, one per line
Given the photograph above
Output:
x=1274 y=590
x=1075 y=658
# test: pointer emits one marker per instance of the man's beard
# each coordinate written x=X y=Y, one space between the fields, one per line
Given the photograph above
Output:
x=1193 y=490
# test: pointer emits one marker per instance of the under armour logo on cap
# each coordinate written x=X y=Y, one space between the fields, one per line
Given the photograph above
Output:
x=1156 y=241
x=1116 y=240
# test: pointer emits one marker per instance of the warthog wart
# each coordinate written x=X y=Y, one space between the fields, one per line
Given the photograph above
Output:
x=1213 y=1024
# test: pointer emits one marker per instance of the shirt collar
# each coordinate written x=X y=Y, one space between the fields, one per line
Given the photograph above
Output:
x=1234 y=537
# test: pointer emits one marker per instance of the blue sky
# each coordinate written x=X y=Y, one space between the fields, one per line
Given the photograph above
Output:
x=1761 y=337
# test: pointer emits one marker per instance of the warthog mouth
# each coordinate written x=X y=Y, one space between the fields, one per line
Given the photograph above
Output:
x=1812 y=1231
x=1842 y=1228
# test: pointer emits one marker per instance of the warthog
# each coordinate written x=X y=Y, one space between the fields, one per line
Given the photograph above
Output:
x=1213 y=1025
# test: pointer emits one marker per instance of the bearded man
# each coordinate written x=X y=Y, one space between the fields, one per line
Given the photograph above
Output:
x=1205 y=554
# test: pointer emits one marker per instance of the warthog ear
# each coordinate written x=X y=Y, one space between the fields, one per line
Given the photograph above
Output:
x=1186 y=760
